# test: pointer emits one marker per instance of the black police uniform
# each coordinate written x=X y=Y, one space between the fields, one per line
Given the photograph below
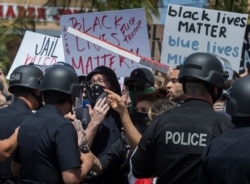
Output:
x=226 y=159
x=172 y=145
x=10 y=118
x=47 y=145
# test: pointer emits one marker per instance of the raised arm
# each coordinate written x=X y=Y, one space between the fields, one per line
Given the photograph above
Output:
x=116 y=103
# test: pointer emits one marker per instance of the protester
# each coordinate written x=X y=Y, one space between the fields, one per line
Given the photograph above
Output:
x=141 y=81
x=48 y=149
x=174 y=87
x=226 y=159
x=120 y=152
x=23 y=84
x=171 y=146
x=103 y=124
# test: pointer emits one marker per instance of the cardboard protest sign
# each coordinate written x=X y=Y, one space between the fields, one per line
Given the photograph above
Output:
x=189 y=29
x=38 y=49
x=155 y=33
x=121 y=51
x=123 y=28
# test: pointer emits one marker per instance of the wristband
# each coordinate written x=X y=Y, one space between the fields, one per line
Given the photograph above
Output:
x=85 y=148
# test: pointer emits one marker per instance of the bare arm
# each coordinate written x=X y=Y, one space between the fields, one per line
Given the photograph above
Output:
x=8 y=146
x=78 y=174
x=116 y=103
x=5 y=83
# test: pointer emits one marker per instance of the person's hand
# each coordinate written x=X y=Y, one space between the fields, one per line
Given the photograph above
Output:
x=245 y=73
x=70 y=116
x=116 y=102
x=81 y=134
x=98 y=113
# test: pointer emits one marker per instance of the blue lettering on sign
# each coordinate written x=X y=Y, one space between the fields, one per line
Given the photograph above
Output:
x=180 y=42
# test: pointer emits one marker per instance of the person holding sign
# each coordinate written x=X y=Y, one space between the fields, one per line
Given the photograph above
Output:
x=48 y=147
x=171 y=146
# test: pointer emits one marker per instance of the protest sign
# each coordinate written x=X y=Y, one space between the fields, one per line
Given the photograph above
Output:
x=120 y=51
x=123 y=28
x=155 y=33
x=189 y=29
x=38 y=49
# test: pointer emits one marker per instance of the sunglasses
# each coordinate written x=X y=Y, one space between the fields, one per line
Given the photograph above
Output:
x=135 y=88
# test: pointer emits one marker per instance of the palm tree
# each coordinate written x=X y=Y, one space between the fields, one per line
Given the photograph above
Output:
x=239 y=6
x=151 y=6
x=10 y=30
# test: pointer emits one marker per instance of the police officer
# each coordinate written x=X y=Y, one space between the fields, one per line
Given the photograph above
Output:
x=23 y=84
x=171 y=146
x=226 y=159
x=48 y=149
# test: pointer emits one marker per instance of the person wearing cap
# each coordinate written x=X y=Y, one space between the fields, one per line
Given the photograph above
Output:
x=141 y=81
x=23 y=84
x=49 y=149
x=171 y=146
x=103 y=124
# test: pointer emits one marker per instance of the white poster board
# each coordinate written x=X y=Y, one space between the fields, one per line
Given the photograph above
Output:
x=190 y=29
x=123 y=28
x=39 y=49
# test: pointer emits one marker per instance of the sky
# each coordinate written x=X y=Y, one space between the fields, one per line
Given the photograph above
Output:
x=163 y=10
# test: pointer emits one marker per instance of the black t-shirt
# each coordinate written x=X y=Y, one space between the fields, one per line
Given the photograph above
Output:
x=47 y=145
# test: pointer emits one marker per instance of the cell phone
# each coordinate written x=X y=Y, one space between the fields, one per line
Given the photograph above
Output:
x=102 y=95
x=97 y=93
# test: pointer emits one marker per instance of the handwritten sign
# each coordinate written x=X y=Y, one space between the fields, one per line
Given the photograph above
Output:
x=38 y=49
x=123 y=28
x=190 y=29
x=155 y=32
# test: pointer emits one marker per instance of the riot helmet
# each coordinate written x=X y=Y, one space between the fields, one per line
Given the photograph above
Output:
x=238 y=100
x=28 y=76
x=205 y=67
x=62 y=79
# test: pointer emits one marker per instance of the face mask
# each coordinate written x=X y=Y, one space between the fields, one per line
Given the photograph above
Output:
x=134 y=93
x=96 y=91
x=141 y=121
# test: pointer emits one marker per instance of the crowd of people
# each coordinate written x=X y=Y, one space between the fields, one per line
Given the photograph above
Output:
x=57 y=127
